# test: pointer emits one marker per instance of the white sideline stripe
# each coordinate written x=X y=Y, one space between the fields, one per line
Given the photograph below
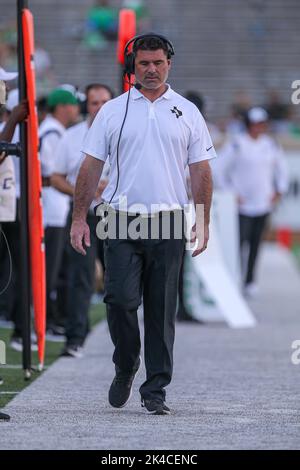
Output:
x=15 y=366
x=9 y=393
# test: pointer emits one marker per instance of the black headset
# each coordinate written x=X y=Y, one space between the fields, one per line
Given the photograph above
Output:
x=129 y=57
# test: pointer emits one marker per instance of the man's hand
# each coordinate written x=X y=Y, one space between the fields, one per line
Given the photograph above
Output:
x=2 y=157
x=201 y=234
x=275 y=198
x=80 y=236
x=20 y=112
x=201 y=184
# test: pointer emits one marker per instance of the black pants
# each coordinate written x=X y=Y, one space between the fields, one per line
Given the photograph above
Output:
x=251 y=231
x=55 y=238
x=10 y=300
x=150 y=268
x=80 y=287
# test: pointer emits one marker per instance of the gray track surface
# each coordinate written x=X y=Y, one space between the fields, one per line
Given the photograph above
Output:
x=232 y=389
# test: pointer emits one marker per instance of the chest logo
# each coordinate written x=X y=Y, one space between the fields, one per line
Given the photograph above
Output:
x=177 y=112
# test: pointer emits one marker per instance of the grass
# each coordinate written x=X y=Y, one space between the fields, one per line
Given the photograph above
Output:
x=14 y=377
x=296 y=252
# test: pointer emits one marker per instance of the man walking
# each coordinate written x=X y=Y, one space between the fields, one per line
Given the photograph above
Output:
x=150 y=135
x=252 y=165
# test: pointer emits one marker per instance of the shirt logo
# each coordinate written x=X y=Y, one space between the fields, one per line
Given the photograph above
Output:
x=177 y=112
x=209 y=148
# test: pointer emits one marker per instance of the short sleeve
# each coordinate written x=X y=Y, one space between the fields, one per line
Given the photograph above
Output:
x=200 y=146
x=96 y=141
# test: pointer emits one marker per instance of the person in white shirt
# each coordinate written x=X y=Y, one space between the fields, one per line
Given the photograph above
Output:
x=7 y=182
x=81 y=270
x=253 y=166
x=63 y=112
x=10 y=301
x=149 y=135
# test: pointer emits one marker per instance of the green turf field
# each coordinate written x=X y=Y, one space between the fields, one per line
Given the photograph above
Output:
x=13 y=375
x=296 y=251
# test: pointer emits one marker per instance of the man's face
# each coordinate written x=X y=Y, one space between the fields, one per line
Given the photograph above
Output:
x=71 y=113
x=259 y=128
x=152 y=68
x=97 y=97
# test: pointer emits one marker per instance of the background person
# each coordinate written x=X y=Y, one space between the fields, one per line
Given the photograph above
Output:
x=252 y=165
x=10 y=301
x=63 y=112
x=81 y=270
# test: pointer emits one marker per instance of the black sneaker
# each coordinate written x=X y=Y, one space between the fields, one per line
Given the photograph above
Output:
x=55 y=333
x=4 y=417
x=121 y=388
x=156 y=407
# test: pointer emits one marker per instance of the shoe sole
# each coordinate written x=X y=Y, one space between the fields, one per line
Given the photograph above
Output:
x=158 y=413
x=4 y=417
x=130 y=394
x=69 y=354
x=18 y=348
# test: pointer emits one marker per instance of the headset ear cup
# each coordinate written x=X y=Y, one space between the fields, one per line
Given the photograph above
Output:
x=132 y=63
x=129 y=63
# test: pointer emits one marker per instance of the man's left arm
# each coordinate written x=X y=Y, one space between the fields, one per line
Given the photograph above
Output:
x=202 y=188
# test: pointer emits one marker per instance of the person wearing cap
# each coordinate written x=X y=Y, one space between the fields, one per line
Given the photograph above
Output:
x=63 y=112
x=253 y=166
x=7 y=202
x=81 y=269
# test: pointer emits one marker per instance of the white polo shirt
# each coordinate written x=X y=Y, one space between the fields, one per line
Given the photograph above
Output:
x=56 y=205
x=254 y=169
x=159 y=140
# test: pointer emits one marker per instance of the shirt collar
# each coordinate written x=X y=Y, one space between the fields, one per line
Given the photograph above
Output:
x=136 y=94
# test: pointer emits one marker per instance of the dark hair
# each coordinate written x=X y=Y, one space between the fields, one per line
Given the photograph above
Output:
x=42 y=104
x=151 y=44
x=245 y=119
x=97 y=86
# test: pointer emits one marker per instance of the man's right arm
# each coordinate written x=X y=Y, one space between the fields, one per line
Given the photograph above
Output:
x=18 y=115
x=86 y=185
